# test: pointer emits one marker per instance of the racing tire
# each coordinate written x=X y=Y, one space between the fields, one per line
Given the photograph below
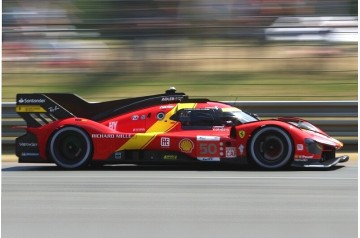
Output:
x=271 y=148
x=71 y=148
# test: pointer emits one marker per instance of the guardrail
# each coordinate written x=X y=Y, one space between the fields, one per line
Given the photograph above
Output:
x=338 y=119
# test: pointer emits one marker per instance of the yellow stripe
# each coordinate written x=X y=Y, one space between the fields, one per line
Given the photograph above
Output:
x=150 y=140
x=141 y=140
x=230 y=109
x=30 y=108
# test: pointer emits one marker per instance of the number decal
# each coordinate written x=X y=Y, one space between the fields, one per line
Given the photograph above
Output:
x=212 y=149
x=208 y=149
x=203 y=148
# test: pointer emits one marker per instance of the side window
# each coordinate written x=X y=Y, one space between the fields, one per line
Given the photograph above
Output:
x=202 y=118
x=195 y=119
x=181 y=115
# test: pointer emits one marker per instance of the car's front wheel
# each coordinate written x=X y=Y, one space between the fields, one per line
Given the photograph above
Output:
x=271 y=148
x=70 y=148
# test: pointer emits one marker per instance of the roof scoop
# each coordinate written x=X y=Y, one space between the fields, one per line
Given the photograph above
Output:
x=171 y=90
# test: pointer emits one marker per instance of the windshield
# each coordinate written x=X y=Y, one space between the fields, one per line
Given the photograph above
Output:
x=305 y=125
x=237 y=116
x=302 y=124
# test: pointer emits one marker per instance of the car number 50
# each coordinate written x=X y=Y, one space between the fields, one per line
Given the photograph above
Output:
x=208 y=149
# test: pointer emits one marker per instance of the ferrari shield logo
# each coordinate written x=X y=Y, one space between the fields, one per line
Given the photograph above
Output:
x=242 y=134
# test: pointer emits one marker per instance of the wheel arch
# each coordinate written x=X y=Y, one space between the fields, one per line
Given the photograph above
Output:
x=269 y=125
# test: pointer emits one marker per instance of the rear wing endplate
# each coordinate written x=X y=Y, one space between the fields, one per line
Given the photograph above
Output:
x=39 y=109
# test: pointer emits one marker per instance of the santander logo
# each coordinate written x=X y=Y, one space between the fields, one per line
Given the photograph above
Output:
x=32 y=100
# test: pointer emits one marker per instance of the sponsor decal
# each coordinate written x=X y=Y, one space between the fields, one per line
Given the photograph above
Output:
x=165 y=141
x=303 y=158
x=219 y=128
x=241 y=149
x=242 y=134
x=208 y=158
x=208 y=138
x=230 y=152
x=166 y=107
x=186 y=145
x=170 y=157
x=29 y=154
x=53 y=109
x=160 y=116
x=30 y=108
x=113 y=125
x=300 y=147
x=135 y=117
x=143 y=117
x=31 y=100
x=172 y=98
x=26 y=144
x=112 y=136
x=138 y=129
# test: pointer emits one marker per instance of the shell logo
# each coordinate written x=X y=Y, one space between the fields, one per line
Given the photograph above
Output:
x=186 y=145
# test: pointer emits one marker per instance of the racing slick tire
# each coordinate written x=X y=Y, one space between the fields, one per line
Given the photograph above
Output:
x=271 y=148
x=71 y=148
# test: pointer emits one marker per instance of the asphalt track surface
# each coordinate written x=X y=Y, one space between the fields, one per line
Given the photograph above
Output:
x=184 y=201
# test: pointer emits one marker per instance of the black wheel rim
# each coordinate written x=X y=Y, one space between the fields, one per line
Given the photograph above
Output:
x=270 y=149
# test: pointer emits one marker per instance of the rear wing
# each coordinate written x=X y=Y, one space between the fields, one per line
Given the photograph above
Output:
x=39 y=109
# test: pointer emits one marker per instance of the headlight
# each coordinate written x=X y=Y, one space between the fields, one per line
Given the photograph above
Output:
x=312 y=146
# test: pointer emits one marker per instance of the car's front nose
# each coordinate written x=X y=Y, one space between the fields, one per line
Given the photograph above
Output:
x=323 y=163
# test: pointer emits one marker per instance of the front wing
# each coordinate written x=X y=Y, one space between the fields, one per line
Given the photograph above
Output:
x=318 y=164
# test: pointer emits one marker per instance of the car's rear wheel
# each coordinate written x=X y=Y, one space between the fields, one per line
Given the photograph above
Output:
x=71 y=148
x=271 y=148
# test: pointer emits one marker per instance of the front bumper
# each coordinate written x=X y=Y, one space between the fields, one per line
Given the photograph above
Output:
x=317 y=164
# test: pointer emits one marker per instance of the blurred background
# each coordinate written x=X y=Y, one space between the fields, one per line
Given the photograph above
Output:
x=245 y=50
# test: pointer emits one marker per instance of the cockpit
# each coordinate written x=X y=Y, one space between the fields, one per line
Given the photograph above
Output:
x=206 y=118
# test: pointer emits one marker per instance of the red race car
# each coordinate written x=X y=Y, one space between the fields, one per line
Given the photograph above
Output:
x=73 y=133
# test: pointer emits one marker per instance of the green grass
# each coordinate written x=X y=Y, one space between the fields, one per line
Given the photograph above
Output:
x=220 y=70
x=215 y=85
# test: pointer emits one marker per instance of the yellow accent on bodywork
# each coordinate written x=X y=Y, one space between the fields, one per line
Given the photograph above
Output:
x=30 y=108
x=141 y=140
x=230 y=109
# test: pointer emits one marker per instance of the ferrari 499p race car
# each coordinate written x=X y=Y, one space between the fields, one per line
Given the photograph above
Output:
x=73 y=133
